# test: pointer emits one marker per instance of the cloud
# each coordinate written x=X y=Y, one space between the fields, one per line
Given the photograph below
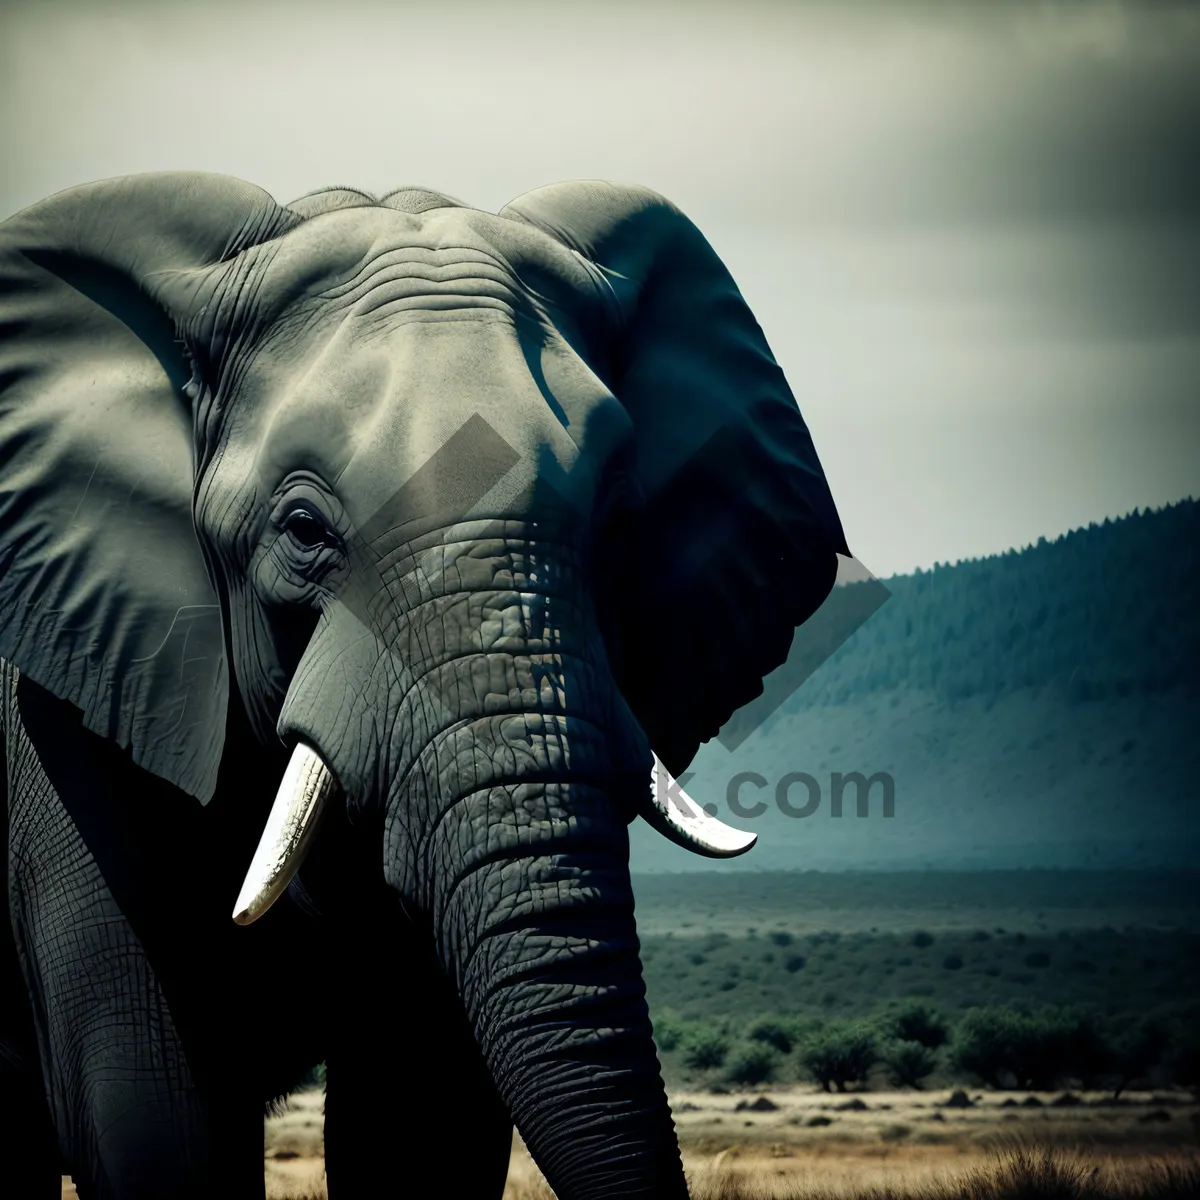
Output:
x=970 y=231
x=824 y=115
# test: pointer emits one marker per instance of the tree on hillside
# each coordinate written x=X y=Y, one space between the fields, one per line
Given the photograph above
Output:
x=909 y=1063
x=916 y=1021
x=840 y=1054
x=1100 y=612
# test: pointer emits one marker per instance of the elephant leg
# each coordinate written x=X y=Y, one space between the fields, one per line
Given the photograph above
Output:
x=25 y=1119
x=24 y=1114
x=407 y=1090
x=124 y=1102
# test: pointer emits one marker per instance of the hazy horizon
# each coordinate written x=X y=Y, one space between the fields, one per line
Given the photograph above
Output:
x=971 y=233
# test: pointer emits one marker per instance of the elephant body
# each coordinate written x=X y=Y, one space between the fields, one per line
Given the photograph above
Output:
x=164 y=1028
x=444 y=528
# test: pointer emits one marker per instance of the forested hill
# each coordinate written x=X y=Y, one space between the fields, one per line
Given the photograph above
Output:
x=1035 y=709
x=1100 y=612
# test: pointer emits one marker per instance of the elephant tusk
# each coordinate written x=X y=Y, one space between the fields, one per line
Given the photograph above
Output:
x=681 y=820
x=307 y=785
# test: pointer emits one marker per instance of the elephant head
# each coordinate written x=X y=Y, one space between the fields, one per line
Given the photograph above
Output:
x=477 y=512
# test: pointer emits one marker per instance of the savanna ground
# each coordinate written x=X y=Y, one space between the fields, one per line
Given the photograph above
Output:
x=726 y=954
x=873 y=1146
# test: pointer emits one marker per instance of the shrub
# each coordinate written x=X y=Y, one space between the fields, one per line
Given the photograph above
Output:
x=753 y=1063
x=1184 y=1061
x=775 y=1034
x=922 y=940
x=1021 y=1170
x=668 y=1033
x=794 y=963
x=1079 y=1048
x=781 y=937
x=704 y=1049
x=915 y=1021
x=840 y=1055
x=1007 y=1048
x=909 y=1063
x=988 y=1044
x=952 y=962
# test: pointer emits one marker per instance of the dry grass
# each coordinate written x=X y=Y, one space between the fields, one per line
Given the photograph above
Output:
x=1017 y=1173
x=1020 y=1173
x=886 y=1146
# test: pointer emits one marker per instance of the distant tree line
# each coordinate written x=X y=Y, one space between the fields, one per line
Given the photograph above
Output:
x=908 y=1042
x=1100 y=612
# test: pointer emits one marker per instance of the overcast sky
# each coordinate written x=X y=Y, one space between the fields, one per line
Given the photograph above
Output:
x=971 y=233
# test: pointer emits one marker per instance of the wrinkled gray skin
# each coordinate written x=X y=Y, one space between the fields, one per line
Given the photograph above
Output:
x=208 y=406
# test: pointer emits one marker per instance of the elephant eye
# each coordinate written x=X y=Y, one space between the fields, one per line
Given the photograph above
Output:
x=306 y=530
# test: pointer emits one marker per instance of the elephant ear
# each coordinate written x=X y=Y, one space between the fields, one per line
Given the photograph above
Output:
x=104 y=596
x=737 y=542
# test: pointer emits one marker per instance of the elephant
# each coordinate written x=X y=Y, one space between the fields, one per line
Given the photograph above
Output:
x=363 y=560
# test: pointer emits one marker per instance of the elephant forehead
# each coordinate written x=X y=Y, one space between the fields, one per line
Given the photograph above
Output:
x=373 y=261
x=368 y=408
x=355 y=384
x=382 y=335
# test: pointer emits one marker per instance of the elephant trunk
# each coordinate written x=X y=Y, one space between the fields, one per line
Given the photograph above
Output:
x=547 y=964
x=539 y=935
x=524 y=876
x=509 y=768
